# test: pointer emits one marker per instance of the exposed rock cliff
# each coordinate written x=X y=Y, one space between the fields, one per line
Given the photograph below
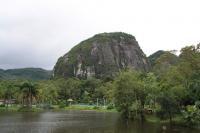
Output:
x=102 y=55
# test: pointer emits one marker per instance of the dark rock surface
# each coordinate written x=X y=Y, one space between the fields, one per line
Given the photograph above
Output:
x=102 y=55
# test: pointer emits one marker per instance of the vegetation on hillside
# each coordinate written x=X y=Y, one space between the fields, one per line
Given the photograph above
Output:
x=152 y=58
x=170 y=91
x=25 y=73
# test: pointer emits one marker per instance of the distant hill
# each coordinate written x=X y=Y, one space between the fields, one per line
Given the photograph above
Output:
x=25 y=73
x=152 y=58
x=163 y=56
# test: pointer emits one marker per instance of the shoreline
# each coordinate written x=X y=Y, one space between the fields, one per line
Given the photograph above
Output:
x=149 y=118
x=17 y=108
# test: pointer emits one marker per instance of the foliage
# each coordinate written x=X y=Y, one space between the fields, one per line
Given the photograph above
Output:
x=29 y=91
x=129 y=90
x=171 y=89
x=26 y=74
x=152 y=58
x=47 y=93
x=96 y=107
x=164 y=62
x=168 y=105
x=110 y=106
x=62 y=104
x=191 y=116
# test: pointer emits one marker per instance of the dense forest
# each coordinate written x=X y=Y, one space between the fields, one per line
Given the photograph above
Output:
x=25 y=73
x=170 y=91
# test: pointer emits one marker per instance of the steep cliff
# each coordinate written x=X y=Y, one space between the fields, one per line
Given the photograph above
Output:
x=102 y=55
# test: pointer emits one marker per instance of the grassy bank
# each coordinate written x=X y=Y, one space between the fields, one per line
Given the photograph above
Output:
x=176 y=121
x=90 y=108
x=83 y=108
x=9 y=109
x=18 y=108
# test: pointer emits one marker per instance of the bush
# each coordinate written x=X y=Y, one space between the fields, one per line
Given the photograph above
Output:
x=191 y=116
x=96 y=107
x=28 y=109
x=2 y=105
x=197 y=104
x=110 y=106
x=62 y=104
x=161 y=114
x=47 y=106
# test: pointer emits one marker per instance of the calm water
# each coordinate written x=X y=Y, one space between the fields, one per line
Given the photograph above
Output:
x=77 y=122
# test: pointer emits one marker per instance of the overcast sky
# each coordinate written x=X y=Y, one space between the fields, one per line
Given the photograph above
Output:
x=35 y=33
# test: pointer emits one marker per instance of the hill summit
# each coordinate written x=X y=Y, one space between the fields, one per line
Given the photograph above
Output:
x=102 y=55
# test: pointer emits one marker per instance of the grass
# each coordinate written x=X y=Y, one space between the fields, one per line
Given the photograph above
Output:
x=89 y=108
x=9 y=109
x=18 y=108
x=152 y=118
x=84 y=108
x=177 y=120
x=27 y=109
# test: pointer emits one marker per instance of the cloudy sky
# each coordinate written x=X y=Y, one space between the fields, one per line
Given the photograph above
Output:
x=34 y=33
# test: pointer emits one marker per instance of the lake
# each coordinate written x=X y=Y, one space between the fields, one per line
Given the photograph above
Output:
x=78 y=122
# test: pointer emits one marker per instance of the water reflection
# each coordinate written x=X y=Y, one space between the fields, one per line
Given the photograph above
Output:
x=77 y=122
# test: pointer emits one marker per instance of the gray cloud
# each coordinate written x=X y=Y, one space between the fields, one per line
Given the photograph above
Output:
x=35 y=33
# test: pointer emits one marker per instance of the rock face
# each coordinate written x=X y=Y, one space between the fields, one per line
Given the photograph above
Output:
x=102 y=55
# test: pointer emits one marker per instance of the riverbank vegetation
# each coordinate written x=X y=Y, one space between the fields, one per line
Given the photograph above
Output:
x=169 y=92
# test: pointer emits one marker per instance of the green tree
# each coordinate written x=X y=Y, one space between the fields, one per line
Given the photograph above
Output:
x=129 y=91
x=190 y=70
x=7 y=91
x=29 y=91
x=168 y=105
x=69 y=88
x=164 y=62
x=191 y=116
x=152 y=88
x=91 y=88
x=107 y=91
x=47 y=92
x=172 y=94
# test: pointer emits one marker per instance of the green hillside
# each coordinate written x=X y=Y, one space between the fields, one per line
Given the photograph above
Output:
x=25 y=73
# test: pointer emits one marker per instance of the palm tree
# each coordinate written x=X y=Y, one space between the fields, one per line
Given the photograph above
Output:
x=8 y=93
x=29 y=91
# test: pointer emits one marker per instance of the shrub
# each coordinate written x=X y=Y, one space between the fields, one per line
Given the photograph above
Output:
x=62 y=104
x=191 y=116
x=110 y=106
x=197 y=104
x=2 y=105
x=161 y=114
x=96 y=107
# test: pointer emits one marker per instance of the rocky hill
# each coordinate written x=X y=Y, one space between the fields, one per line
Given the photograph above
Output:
x=153 y=57
x=25 y=73
x=164 y=57
x=102 y=55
